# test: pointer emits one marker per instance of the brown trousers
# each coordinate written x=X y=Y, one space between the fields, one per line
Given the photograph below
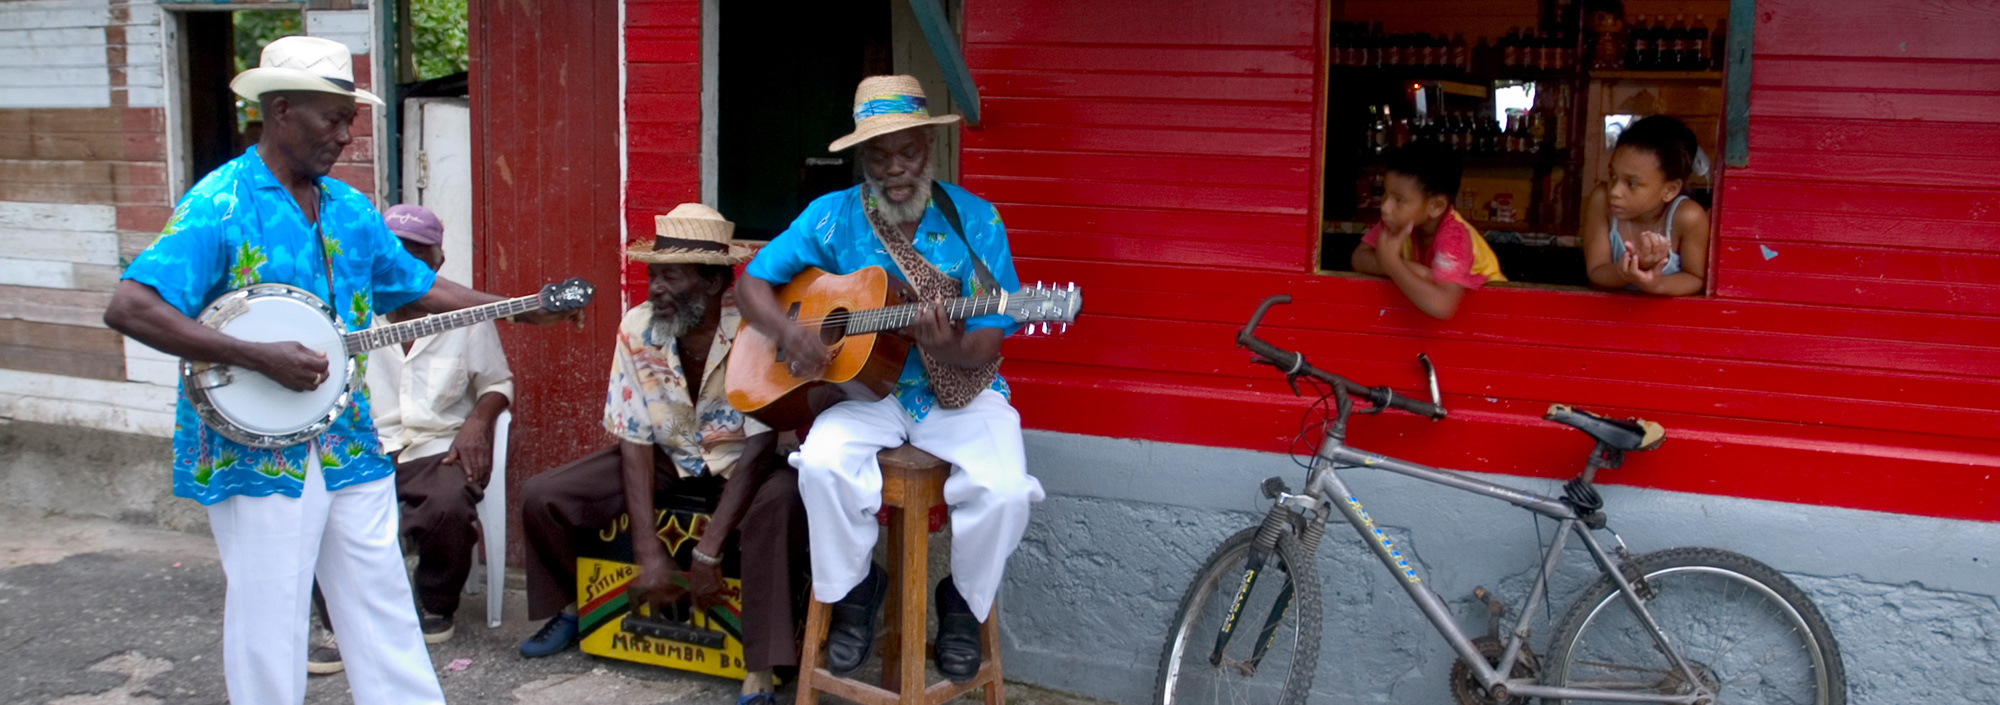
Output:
x=439 y=508
x=588 y=493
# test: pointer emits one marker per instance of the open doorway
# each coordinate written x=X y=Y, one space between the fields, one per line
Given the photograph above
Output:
x=214 y=46
x=786 y=89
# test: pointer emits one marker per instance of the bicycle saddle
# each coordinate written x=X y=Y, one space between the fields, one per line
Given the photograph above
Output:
x=1631 y=434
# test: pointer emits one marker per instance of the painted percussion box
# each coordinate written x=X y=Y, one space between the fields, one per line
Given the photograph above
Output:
x=676 y=636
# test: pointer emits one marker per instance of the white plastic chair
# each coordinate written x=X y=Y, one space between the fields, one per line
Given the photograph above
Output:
x=493 y=524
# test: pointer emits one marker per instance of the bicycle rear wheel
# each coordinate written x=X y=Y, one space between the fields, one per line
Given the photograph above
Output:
x=1751 y=635
x=1279 y=617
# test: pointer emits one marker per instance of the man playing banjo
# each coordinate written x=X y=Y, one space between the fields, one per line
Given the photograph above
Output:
x=327 y=504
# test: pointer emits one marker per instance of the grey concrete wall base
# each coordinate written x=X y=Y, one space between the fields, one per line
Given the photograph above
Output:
x=1911 y=600
x=87 y=472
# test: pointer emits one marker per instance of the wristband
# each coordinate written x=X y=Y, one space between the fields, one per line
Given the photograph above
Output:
x=705 y=559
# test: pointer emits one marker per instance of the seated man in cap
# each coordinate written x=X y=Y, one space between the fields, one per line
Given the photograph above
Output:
x=950 y=401
x=434 y=401
x=674 y=429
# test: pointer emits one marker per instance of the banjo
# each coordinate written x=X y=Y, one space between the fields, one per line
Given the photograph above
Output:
x=247 y=407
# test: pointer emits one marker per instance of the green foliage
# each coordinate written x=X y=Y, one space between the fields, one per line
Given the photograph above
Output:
x=256 y=28
x=438 y=33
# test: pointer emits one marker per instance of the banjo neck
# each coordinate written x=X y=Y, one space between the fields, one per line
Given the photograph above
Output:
x=385 y=336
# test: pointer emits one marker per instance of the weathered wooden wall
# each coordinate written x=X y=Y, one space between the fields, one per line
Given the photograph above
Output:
x=1163 y=155
x=545 y=108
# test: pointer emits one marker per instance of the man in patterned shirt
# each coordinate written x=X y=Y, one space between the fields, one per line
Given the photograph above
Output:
x=901 y=215
x=327 y=505
x=677 y=431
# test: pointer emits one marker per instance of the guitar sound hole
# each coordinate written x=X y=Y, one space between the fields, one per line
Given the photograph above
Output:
x=834 y=327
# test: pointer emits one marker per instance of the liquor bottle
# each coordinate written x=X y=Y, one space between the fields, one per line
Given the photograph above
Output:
x=1537 y=132
x=1677 y=45
x=1377 y=45
x=1461 y=53
x=1378 y=131
x=1635 y=48
x=1698 y=39
x=1510 y=48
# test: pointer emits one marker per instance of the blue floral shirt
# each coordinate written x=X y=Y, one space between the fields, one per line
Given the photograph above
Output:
x=239 y=227
x=833 y=235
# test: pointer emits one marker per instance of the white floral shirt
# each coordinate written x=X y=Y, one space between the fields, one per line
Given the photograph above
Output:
x=647 y=401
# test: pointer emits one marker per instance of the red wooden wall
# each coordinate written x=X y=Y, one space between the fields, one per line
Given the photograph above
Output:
x=1163 y=154
x=545 y=136
x=663 y=117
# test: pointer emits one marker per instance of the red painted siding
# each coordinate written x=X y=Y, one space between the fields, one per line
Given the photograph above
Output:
x=545 y=132
x=663 y=117
x=1165 y=156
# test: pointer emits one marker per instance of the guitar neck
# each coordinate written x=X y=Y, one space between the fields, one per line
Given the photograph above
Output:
x=386 y=336
x=893 y=317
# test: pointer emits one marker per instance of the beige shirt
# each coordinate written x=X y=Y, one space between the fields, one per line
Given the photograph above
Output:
x=420 y=399
x=647 y=401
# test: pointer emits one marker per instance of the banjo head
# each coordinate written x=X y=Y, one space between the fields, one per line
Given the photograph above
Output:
x=249 y=408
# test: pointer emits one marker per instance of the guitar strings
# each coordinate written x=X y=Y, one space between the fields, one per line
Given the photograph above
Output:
x=955 y=306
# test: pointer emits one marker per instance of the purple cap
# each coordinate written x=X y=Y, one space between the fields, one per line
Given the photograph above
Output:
x=414 y=223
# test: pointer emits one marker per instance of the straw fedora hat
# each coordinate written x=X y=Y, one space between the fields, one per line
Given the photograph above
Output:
x=302 y=64
x=691 y=234
x=885 y=104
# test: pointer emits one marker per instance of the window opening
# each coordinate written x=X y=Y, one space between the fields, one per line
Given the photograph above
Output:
x=1530 y=93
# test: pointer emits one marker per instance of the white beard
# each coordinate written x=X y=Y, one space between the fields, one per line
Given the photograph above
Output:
x=909 y=211
x=687 y=314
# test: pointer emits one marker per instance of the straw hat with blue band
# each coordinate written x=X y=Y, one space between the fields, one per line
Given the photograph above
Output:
x=885 y=104
x=302 y=64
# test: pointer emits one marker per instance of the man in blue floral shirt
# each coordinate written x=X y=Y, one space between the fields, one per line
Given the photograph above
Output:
x=949 y=402
x=327 y=505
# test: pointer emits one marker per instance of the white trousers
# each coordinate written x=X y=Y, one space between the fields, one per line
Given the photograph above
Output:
x=989 y=489
x=271 y=547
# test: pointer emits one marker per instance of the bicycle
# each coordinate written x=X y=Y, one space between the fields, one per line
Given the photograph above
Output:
x=1698 y=625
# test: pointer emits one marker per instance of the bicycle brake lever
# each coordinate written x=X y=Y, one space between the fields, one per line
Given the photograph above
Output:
x=1293 y=380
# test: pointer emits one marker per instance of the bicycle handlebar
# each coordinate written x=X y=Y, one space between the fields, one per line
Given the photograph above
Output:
x=1294 y=364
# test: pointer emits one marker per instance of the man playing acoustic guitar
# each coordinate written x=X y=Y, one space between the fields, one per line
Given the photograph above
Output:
x=949 y=401
x=327 y=505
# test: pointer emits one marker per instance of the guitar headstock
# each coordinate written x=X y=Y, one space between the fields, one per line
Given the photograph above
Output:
x=1044 y=304
x=566 y=295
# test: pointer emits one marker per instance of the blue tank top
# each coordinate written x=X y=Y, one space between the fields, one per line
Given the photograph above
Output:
x=1673 y=260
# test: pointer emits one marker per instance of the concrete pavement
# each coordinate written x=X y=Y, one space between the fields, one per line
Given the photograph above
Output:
x=98 y=612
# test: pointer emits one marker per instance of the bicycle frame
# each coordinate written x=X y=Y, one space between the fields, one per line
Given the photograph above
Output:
x=1324 y=487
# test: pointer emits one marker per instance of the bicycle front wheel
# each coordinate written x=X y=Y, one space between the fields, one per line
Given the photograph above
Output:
x=1270 y=654
x=1748 y=634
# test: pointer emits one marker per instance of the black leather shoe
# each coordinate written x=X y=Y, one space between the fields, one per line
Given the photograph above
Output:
x=958 y=647
x=851 y=633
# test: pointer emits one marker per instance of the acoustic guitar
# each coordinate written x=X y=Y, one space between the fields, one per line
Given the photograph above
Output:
x=855 y=315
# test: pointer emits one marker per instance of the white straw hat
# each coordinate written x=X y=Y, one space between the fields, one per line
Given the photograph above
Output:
x=302 y=64
x=885 y=104
x=693 y=234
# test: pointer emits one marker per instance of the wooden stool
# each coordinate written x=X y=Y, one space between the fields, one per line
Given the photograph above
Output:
x=912 y=483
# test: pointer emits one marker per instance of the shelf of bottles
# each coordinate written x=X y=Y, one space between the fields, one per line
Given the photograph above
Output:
x=1652 y=43
x=1521 y=53
x=1526 y=138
